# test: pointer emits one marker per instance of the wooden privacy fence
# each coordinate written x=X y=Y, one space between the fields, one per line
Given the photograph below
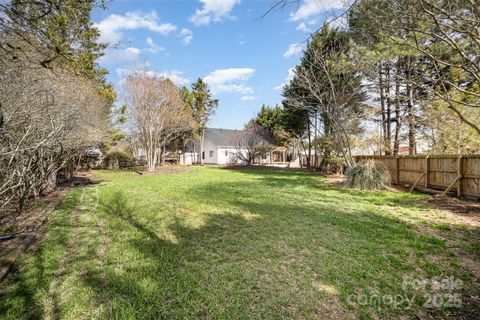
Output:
x=445 y=173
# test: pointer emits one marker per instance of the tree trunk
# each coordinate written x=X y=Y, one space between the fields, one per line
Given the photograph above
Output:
x=315 y=140
x=410 y=111
x=151 y=158
x=309 y=145
x=388 y=117
x=201 y=146
x=163 y=154
x=306 y=154
x=327 y=152
x=195 y=160
x=184 y=149
x=382 y=108
x=398 y=111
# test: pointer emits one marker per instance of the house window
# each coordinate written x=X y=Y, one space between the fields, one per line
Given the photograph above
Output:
x=210 y=153
x=226 y=153
x=203 y=155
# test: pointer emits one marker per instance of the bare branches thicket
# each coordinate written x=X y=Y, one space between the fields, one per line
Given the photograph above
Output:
x=253 y=142
x=49 y=119
x=158 y=114
x=327 y=84
x=54 y=100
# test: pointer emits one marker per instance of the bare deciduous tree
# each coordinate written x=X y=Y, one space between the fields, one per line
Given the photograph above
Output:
x=327 y=84
x=158 y=114
x=253 y=142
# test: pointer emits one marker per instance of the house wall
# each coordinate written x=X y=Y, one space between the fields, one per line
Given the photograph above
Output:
x=226 y=155
x=207 y=147
x=231 y=156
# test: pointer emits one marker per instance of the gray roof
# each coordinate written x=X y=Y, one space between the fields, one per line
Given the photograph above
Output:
x=222 y=137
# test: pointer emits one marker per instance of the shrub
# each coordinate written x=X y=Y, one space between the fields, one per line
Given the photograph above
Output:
x=117 y=158
x=368 y=175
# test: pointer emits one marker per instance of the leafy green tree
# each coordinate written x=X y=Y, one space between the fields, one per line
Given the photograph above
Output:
x=271 y=119
x=55 y=33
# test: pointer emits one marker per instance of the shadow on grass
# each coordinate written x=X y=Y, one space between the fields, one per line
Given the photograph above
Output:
x=267 y=266
x=166 y=283
x=290 y=178
x=343 y=249
x=26 y=283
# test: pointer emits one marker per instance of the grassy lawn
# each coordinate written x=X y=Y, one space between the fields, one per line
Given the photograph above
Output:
x=213 y=243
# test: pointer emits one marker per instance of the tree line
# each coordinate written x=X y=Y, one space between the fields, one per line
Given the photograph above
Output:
x=406 y=70
x=56 y=105
x=54 y=101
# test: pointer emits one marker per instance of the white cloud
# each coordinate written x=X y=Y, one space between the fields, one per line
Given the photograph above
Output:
x=230 y=80
x=186 y=35
x=313 y=7
x=111 y=27
x=213 y=10
x=152 y=46
x=122 y=72
x=226 y=75
x=303 y=27
x=293 y=50
x=119 y=55
x=291 y=74
x=174 y=75
x=232 y=88
x=247 y=98
x=339 y=22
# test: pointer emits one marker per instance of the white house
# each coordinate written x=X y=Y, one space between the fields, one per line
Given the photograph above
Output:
x=220 y=146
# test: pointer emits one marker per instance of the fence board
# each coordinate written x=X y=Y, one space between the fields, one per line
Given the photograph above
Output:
x=440 y=171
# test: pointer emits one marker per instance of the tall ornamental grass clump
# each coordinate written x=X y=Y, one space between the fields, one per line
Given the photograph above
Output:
x=368 y=175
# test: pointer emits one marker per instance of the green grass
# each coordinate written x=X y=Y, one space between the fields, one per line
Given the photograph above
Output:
x=234 y=244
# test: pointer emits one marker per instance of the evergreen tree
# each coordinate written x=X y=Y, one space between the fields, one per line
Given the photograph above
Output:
x=202 y=103
x=271 y=119
x=56 y=33
x=327 y=84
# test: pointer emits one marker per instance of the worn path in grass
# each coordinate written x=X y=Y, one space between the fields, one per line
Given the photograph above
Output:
x=213 y=243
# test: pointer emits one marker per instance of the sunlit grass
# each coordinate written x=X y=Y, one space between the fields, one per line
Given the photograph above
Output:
x=230 y=244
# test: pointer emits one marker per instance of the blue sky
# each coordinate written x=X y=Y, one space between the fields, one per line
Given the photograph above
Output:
x=244 y=59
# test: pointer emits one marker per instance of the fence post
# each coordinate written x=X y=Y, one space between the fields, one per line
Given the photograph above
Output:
x=427 y=171
x=460 y=175
x=397 y=170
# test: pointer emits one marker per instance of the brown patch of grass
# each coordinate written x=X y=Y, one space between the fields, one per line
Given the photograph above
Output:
x=165 y=170
x=457 y=206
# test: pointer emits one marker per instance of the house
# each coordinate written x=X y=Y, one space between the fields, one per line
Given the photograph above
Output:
x=221 y=146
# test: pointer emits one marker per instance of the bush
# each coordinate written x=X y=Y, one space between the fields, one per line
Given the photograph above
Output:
x=368 y=175
x=118 y=159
